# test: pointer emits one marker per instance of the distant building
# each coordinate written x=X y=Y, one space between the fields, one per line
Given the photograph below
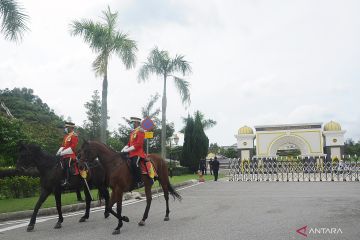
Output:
x=310 y=139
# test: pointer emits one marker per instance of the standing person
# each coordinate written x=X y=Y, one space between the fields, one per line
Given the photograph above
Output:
x=202 y=166
x=216 y=166
x=211 y=166
x=135 y=148
x=67 y=150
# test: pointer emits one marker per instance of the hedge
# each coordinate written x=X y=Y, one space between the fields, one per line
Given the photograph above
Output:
x=19 y=187
x=178 y=171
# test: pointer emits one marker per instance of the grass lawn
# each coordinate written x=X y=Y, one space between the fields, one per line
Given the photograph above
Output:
x=14 y=205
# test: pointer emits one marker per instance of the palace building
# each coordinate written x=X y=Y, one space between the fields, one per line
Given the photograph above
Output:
x=304 y=139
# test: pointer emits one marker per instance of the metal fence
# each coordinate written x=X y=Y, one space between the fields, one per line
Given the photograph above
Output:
x=295 y=170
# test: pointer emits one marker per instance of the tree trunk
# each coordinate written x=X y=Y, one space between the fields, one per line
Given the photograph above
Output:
x=163 y=122
x=104 y=109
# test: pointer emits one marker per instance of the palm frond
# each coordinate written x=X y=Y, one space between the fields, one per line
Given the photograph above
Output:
x=110 y=19
x=208 y=123
x=125 y=48
x=14 y=20
x=180 y=64
x=146 y=111
x=100 y=63
x=145 y=71
x=183 y=88
x=93 y=33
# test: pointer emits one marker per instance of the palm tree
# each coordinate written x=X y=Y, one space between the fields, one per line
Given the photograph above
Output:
x=160 y=63
x=13 y=23
x=206 y=123
x=105 y=40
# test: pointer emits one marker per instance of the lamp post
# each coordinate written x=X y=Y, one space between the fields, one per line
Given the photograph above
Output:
x=176 y=140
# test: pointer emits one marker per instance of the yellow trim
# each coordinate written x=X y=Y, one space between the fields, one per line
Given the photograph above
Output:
x=257 y=139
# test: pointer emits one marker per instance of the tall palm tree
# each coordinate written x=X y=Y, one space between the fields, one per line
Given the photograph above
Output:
x=105 y=40
x=13 y=23
x=160 y=63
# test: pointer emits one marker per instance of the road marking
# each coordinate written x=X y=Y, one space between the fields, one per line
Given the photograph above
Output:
x=24 y=222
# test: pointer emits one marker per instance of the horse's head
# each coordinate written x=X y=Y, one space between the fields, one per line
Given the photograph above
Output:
x=28 y=153
x=87 y=152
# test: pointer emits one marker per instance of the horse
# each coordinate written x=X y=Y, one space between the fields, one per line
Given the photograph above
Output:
x=51 y=175
x=120 y=178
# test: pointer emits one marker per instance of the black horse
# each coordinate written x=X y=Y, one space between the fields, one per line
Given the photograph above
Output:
x=51 y=174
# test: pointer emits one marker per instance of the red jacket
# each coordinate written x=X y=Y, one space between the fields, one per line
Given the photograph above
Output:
x=137 y=140
x=70 y=140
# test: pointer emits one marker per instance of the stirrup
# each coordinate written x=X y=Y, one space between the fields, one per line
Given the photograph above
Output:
x=65 y=183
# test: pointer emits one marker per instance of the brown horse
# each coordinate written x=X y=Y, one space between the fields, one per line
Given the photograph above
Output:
x=120 y=179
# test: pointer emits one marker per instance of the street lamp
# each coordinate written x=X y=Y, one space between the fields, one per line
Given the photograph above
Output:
x=176 y=140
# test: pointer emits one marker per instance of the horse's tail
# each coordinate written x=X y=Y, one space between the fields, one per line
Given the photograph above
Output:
x=163 y=174
x=173 y=192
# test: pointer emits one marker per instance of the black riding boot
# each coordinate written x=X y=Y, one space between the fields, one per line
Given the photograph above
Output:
x=65 y=181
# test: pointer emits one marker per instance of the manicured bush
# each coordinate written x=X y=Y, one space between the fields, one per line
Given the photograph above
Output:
x=19 y=187
x=178 y=171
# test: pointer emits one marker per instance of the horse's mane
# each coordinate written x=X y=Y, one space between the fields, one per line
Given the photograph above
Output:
x=47 y=160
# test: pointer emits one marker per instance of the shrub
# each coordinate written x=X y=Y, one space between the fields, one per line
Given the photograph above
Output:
x=178 y=171
x=19 y=187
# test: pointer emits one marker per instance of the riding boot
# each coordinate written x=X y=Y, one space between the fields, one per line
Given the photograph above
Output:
x=67 y=178
x=139 y=181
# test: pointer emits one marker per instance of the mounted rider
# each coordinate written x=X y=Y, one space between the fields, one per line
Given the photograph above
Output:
x=67 y=150
x=135 y=149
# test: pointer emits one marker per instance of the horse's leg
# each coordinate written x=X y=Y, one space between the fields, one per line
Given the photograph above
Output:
x=148 y=199
x=166 y=196
x=105 y=194
x=112 y=201
x=57 y=194
x=88 y=203
x=118 y=210
x=43 y=196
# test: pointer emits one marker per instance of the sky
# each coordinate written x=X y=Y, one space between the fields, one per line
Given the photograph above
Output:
x=254 y=62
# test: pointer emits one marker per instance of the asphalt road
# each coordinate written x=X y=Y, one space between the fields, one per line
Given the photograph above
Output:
x=223 y=210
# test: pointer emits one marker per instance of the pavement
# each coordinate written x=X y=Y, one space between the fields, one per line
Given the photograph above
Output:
x=221 y=210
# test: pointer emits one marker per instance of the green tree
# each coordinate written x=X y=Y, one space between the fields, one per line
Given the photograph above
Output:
x=93 y=122
x=105 y=40
x=200 y=141
x=214 y=148
x=14 y=20
x=148 y=110
x=160 y=63
x=206 y=123
x=11 y=132
x=187 y=150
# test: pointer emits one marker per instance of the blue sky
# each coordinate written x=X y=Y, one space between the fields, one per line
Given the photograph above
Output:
x=254 y=62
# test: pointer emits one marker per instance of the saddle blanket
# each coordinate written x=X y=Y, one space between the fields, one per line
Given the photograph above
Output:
x=147 y=168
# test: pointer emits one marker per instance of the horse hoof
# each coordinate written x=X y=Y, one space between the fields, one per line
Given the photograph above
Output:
x=106 y=214
x=82 y=219
x=125 y=218
x=116 y=232
x=57 y=225
x=141 y=223
x=30 y=228
x=166 y=219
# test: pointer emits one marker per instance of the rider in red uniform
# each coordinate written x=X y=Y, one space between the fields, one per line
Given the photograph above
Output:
x=67 y=150
x=135 y=149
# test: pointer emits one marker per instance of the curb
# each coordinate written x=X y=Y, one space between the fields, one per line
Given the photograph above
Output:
x=79 y=206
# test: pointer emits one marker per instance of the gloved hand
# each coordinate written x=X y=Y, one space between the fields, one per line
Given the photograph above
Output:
x=129 y=149
x=59 y=151
x=124 y=148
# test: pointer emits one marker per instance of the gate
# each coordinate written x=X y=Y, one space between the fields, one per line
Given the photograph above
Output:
x=295 y=170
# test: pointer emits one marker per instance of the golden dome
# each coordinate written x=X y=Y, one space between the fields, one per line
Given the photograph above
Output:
x=332 y=126
x=245 y=130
